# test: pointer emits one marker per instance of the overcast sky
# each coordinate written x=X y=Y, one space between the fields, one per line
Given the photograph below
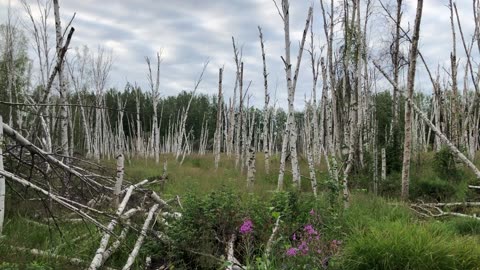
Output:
x=190 y=32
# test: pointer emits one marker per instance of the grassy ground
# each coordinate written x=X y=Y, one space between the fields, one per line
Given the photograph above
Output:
x=365 y=223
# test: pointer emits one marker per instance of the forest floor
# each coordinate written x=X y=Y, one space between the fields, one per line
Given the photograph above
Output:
x=376 y=232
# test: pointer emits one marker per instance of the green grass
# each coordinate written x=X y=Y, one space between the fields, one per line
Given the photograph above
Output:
x=377 y=233
x=400 y=245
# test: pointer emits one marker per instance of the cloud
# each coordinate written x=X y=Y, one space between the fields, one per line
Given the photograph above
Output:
x=191 y=32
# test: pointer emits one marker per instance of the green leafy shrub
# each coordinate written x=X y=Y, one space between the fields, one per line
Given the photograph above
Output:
x=391 y=186
x=8 y=266
x=399 y=245
x=445 y=166
x=433 y=189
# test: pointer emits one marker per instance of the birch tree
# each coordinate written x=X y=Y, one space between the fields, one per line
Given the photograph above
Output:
x=266 y=116
x=290 y=134
x=62 y=83
x=155 y=94
x=2 y=179
x=218 y=129
x=408 y=108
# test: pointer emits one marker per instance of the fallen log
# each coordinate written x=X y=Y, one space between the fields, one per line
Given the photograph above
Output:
x=141 y=237
x=46 y=254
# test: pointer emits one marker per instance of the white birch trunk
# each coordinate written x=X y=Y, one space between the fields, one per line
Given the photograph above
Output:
x=218 y=131
x=143 y=233
x=384 y=165
x=119 y=178
x=62 y=87
x=265 y=108
x=2 y=179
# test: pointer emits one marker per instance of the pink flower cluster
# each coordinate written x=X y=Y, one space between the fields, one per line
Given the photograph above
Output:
x=247 y=227
x=307 y=242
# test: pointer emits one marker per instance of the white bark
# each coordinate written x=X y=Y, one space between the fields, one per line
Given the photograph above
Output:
x=61 y=80
x=119 y=178
x=291 y=130
x=218 y=130
x=98 y=258
x=265 y=108
x=155 y=94
x=408 y=108
x=384 y=165
x=2 y=179
x=143 y=233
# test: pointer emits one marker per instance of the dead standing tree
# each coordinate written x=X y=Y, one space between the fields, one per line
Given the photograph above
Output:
x=408 y=107
x=218 y=130
x=290 y=135
x=266 y=116
x=155 y=94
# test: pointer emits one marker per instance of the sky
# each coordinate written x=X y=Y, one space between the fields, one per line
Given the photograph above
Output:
x=191 y=32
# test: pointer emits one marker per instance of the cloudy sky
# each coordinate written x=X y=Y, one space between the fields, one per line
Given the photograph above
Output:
x=191 y=32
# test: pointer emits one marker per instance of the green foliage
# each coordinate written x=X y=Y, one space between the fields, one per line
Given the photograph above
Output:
x=433 y=188
x=400 y=245
x=8 y=266
x=445 y=166
x=207 y=224
x=465 y=226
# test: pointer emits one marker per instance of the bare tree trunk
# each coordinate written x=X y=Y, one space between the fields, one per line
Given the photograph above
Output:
x=408 y=108
x=453 y=61
x=315 y=62
x=308 y=147
x=265 y=108
x=251 y=170
x=218 y=131
x=291 y=85
x=143 y=233
x=240 y=120
x=61 y=80
x=119 y=179
x=2 y=179
x=139 y=127
x=155 y=93
x=384 y=165
x=396 y=64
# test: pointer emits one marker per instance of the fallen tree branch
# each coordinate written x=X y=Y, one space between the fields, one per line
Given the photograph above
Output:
x=272 y=237
x=48 y=157
x=42 y=253
x=431 y=210
x=54 y=197
x=437 y=132
x=98 y=258
x=141 y=237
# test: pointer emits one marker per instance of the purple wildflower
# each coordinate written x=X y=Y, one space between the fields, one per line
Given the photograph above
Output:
x=303 y=247
x=312 y=212
x=294 y=237
x=309 y=229
x=247 y=227
x=292 y=252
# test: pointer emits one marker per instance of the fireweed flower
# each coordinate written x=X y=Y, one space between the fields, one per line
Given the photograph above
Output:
x=312 y=212
x=291 y=252
x=303 y=248
x=247 y=227
x=310 y=230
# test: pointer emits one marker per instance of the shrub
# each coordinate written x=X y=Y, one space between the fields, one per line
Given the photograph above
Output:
x=445 y=166
x=433 y=189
